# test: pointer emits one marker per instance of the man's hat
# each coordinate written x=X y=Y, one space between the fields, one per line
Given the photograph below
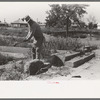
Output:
x=27 y=18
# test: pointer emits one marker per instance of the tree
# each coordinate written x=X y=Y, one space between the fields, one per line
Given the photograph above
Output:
x=92 y=22
x=95 y=26
x=64 y=14
x=92 y=19
x=90 y=25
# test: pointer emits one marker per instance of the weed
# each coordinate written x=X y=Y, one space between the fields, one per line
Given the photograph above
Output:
x=12 y=74
x=59 y=43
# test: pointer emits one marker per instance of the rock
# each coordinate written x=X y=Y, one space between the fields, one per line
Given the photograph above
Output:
x=35 y=67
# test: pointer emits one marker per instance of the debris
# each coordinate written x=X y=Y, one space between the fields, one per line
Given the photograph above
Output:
x=76 y=76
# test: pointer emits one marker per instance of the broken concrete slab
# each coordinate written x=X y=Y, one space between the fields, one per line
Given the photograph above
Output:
x=14 y=49
x=75 y=62
x=64 y=56
x=58 y=59
x=71 y=56
x=13 y=55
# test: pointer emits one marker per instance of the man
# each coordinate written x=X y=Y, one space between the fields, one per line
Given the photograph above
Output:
x=35 y=33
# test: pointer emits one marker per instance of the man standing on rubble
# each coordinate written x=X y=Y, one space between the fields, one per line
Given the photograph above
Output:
x=37 y=35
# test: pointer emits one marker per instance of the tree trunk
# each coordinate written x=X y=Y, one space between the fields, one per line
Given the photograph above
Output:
x=67 y=23
x=90 y=35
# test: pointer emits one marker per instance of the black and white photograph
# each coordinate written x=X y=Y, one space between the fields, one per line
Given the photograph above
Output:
x=49 y=41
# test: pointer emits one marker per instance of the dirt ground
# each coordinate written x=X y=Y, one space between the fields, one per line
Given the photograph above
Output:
x=88 y=71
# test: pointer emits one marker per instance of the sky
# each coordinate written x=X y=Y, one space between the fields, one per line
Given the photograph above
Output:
x=11 y=11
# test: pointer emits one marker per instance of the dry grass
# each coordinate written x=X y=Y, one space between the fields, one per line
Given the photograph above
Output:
x=50 y=46
x=60 y=43
x=13 y=71
x=9 y=31
x=93 y=42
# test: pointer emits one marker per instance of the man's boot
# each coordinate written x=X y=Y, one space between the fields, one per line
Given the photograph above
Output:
x=34 y=56
x=34 y=53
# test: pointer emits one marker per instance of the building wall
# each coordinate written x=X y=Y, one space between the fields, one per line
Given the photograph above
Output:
x=42 y=26
x=98 y=27
x=3 y=25
x=19 y=25
x=23 y=25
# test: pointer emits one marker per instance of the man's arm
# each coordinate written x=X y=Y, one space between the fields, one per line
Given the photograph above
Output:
x=30 y=35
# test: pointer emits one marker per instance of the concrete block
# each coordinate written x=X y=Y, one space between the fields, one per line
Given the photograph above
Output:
x=79 y=60
x=71 y=56
x=58 y=59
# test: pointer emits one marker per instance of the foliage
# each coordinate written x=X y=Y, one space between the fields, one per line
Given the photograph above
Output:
x=3 y=42
x=92 y=22
x=13 y=31
x=91 y=25
x=14 y=71
x=12 y=74
x=60 y=43
x=92 y=19
x=95 y=26
x=58 y=14
x=10 y=40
